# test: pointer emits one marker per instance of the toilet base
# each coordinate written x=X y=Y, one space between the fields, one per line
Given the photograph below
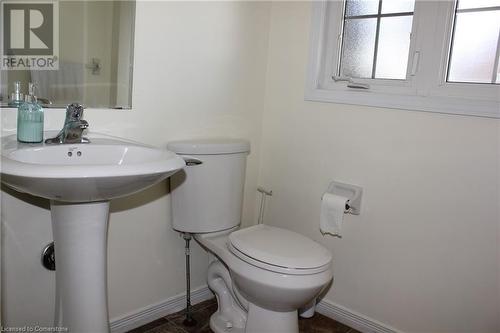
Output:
x=220 y=324
x=262 y=320
x=259 y=320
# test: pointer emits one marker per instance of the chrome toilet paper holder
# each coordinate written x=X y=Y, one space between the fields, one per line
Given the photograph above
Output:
x=352 y=192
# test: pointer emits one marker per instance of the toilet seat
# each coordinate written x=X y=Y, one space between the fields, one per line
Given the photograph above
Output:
x=279 y=250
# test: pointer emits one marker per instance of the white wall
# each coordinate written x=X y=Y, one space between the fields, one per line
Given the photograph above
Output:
x=424 y=254
x=199 y=71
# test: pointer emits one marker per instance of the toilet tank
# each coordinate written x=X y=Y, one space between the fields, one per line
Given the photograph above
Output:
x=207 y=196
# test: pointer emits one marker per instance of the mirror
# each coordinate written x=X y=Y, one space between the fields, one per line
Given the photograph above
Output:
x=94 y=54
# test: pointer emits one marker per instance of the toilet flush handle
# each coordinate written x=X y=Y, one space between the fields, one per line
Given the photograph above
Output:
x=191 y=161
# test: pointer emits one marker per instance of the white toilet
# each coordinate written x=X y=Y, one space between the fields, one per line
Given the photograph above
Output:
x=263 y=274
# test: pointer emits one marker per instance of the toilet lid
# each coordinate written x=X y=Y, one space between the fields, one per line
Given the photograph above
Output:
x=280 y=247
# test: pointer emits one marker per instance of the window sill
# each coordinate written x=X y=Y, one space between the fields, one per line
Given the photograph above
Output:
x=437 y=104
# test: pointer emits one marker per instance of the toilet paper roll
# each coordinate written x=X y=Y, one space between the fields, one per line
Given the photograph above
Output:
x=332 y=214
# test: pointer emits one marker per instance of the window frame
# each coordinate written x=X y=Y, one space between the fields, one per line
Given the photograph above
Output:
x=423 y=90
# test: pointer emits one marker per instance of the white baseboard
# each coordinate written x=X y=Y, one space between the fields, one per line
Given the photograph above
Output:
x=156 y=311
x=353 y=319
x=178 y=303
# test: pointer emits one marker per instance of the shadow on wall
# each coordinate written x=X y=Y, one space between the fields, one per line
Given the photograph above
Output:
x=141 y=198
x=144 y=197
x=28 y=198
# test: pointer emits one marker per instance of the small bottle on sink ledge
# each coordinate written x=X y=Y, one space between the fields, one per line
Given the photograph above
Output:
x=30 y=118
x=17 y=97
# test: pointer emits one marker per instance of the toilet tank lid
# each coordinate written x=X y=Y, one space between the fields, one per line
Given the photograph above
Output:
x=209 y=146
x=280 y=247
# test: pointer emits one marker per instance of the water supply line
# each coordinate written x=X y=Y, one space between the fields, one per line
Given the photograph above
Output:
x=189 y=320
x=264 y=193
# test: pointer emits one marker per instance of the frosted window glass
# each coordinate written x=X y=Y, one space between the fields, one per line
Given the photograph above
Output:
x=467 y=4
x=397 y=6
x=361 y=7
x=358 y=48
x=474 y=47
x=393 y=47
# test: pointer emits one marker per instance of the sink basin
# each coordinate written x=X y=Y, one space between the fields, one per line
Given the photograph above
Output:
x=79 y=180
x=104 y=169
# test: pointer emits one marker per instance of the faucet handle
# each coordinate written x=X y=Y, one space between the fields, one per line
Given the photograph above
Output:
x=74 y=111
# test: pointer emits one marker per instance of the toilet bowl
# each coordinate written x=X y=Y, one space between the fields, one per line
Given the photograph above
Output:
x=267 y=292
x=262 y=275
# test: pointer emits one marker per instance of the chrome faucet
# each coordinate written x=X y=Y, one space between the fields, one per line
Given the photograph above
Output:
x=74 y=125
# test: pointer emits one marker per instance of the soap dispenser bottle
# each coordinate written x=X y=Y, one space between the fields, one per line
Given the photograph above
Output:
x=30 y=118
x=16 y=98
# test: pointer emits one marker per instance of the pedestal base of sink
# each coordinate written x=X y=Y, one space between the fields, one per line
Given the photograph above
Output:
x=80 y=240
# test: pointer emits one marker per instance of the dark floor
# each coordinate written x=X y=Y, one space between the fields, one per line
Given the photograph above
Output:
x=202 y=312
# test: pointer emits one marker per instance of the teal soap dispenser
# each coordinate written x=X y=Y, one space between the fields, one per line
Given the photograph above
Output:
x=30 y=118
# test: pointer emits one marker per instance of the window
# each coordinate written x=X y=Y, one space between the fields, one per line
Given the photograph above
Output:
x=475 y=44
x=376 y=39
x=437 y=56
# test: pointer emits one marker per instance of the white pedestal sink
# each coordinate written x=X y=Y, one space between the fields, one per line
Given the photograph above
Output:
x=79 y=180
